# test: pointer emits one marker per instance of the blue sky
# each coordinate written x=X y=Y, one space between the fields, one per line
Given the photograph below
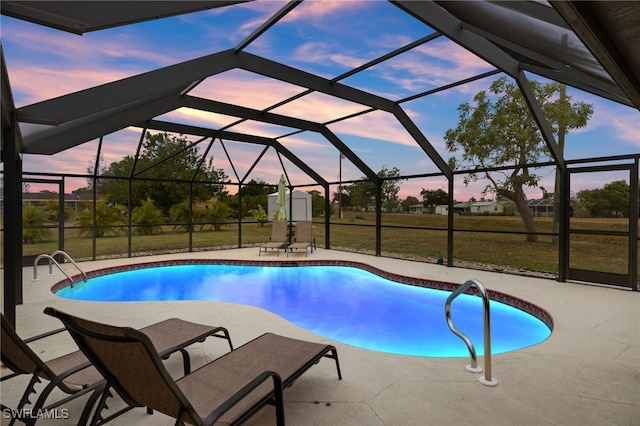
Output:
x=320 y=37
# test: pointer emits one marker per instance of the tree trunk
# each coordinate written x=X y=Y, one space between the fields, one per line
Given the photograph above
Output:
x=525 y=214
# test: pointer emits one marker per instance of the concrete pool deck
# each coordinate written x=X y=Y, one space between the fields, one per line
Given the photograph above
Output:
x=587 y=372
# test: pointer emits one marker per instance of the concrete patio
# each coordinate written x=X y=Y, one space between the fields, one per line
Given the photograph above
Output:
x=586 y=373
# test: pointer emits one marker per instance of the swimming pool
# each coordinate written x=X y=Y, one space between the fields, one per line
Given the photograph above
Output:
x=343 y=303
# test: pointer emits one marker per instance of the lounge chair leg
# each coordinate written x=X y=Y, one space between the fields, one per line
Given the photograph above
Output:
x=279 y=400
x=334 y=355
x=102 y=404
x=95 y=395
x=186 y=361
x=226 y=336
x=44 y=394
x=30 y=389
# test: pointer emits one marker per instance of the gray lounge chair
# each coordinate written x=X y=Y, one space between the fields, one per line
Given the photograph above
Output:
x=278 y=240
x=74 y=374
x=304 y=238
x=227 y=390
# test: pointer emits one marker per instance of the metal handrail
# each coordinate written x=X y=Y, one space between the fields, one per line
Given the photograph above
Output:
x=84 y=276
x=486 y=380
x=53 y=261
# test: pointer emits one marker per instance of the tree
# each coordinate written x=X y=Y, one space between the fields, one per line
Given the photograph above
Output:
x=390 y=187
x=363 y=193
x=408 y=202
x=432 y=198
x=342 y=198
x=254 y=194
x=317 y=203
x=612 y=200
x=148 y=218
x=497 y=130
x=164 y=167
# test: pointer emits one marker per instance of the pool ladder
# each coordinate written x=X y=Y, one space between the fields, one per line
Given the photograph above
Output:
x=53 y=261
x=486 y=380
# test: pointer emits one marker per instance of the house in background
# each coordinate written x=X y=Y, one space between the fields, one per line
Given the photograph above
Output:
x=486 y=207
x=417 y=208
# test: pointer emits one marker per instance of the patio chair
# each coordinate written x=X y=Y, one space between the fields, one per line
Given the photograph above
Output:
x=227 y=390
x=278 y=239
x=74 y=374
x=304 y=238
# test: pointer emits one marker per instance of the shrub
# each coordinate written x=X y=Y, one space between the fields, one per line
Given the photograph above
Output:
x=148 y=218
x=108 y=217
x=34 y=216
x=260 y=215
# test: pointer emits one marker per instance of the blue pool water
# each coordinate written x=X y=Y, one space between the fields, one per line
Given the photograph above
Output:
x=346 y=304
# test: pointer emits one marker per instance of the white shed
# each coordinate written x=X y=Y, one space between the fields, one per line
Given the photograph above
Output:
x=442 y=209
x=301 y=206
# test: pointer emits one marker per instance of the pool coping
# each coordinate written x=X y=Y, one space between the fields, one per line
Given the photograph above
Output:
x=497 y=296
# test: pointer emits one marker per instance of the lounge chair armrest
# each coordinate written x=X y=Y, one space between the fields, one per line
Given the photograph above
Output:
x=246 y=390
x=43 y=335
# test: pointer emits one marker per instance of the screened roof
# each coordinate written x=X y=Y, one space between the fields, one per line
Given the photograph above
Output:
x=519 y=39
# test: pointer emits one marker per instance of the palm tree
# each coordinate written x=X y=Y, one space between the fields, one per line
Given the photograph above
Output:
x=148 y=218
x=215 y=214
x=33 y=219
x=179 y=215
x=107 y=218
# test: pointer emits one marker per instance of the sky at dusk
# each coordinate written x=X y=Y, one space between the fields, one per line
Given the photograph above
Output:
x=320 y=37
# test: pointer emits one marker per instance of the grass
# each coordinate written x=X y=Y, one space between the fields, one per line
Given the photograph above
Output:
x=489 y=240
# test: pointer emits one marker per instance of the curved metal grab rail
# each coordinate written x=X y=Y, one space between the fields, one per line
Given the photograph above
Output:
x=84 y=276
x=52 y=261
x=473 y=367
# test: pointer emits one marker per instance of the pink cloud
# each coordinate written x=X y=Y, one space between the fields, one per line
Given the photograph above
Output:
x=313 y=12
x=34 y=84
x=623 y=121
x=375 y=125
x=433 y=64
x=245 y=88
x=319 y=107
x=198 y=118
x=89 y=50
x=321 y=52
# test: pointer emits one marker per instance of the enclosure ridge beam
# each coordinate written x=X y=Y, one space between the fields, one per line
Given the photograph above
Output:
x=76 y=132
x=268 y=68
x=149 y=86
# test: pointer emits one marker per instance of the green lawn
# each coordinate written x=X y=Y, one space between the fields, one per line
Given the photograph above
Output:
x=479 y=239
